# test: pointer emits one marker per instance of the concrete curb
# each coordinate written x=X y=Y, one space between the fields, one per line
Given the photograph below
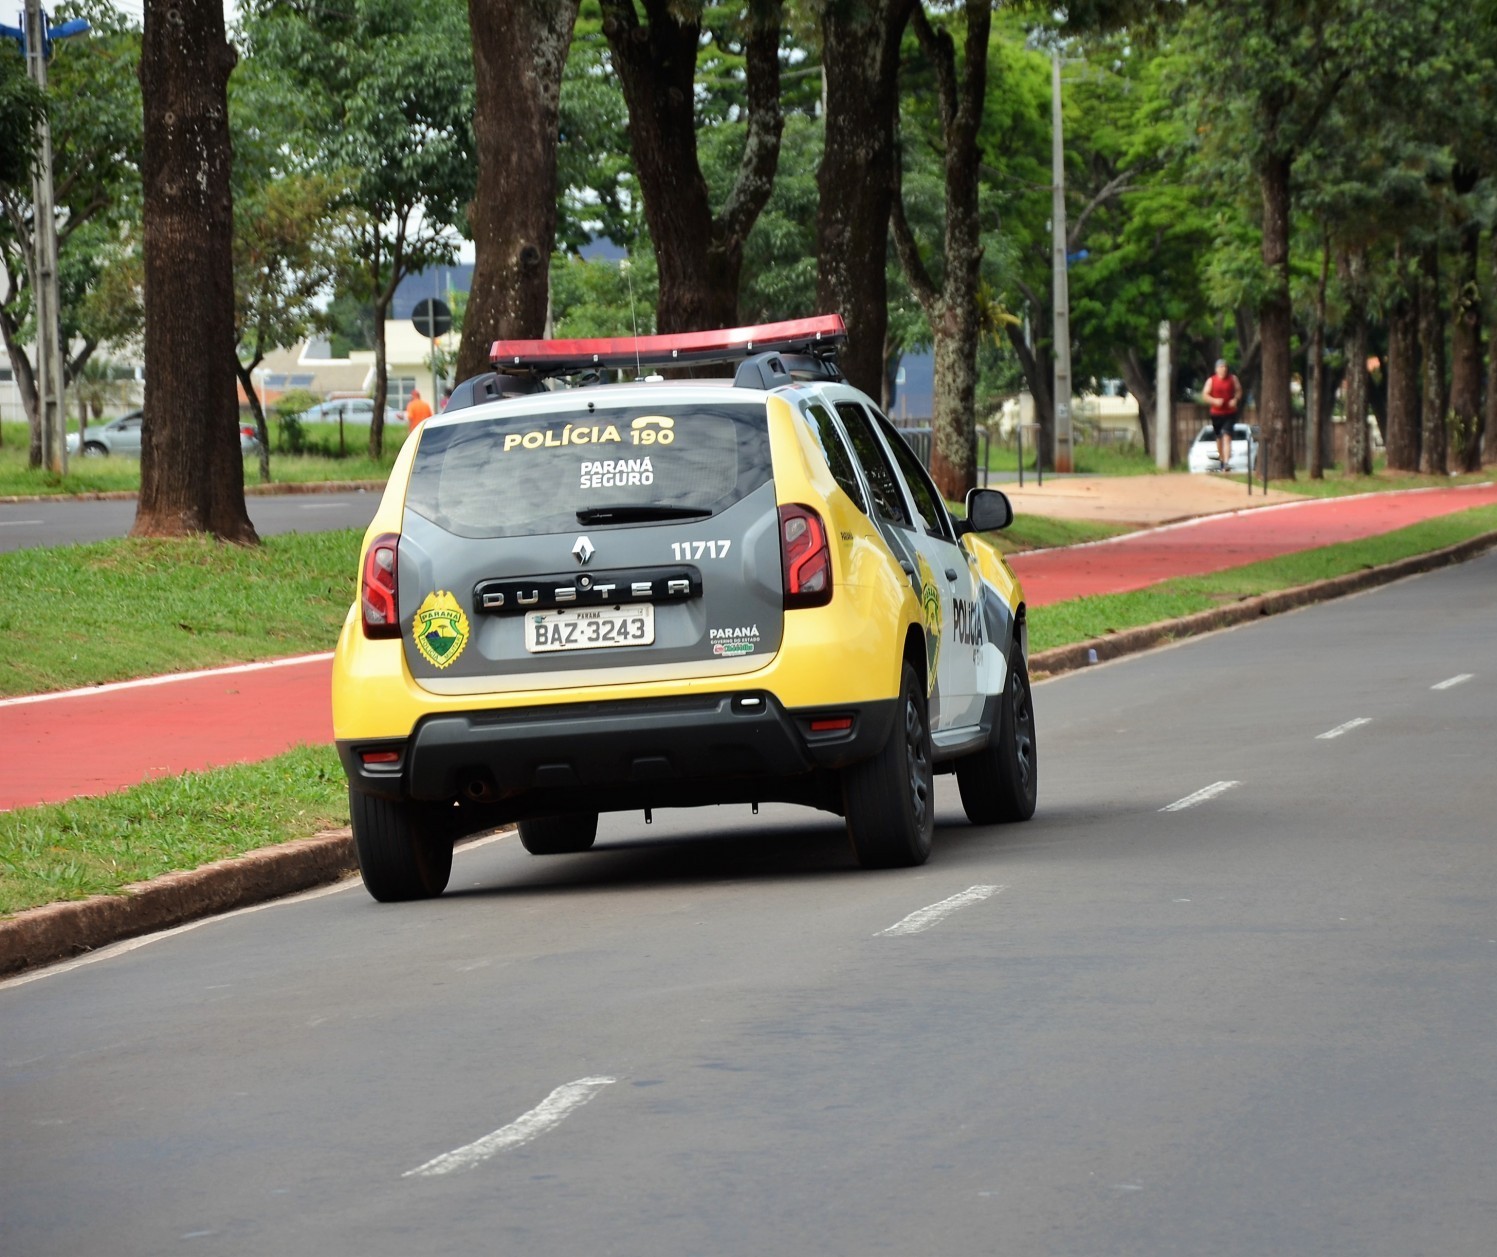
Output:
x=55 y=931
x=1132 y=641
x=40 y=936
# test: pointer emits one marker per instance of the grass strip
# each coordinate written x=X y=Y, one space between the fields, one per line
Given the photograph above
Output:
x=97 y=846
x=1081 y=619
x=112 y=610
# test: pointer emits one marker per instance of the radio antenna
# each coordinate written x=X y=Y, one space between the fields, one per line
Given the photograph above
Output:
x=628 y=268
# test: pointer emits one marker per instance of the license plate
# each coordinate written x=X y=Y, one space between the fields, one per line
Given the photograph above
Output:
x=589 y=628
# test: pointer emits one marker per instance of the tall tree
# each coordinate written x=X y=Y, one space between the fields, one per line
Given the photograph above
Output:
x=699 y=252
x=388 y=108
x=519 y=53
x=951 y=307
x=860 y=58
x=191 y=472
x=1268 y=73
x=93 y=101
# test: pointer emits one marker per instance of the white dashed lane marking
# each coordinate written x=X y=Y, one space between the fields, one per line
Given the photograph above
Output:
x=1451 y=682
x=546 y=1115
x=927 y=917
x=1200 y=796
x=1346 y=728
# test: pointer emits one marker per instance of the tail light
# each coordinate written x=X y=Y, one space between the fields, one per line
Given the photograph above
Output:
x=378 y=591
x=805 y=558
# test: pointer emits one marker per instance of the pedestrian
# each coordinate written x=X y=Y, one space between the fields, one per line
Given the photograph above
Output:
x=446 y=397
x=418 y=410
x=1223 y=393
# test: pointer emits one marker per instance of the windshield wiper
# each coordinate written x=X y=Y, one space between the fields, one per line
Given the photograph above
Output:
x=625 y=512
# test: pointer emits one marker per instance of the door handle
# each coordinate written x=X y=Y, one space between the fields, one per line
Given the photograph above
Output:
x=951 y=574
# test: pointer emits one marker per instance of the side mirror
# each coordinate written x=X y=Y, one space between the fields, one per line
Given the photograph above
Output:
x=988 y=510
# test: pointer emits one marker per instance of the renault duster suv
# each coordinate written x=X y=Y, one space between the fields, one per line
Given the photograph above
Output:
x=666 y=593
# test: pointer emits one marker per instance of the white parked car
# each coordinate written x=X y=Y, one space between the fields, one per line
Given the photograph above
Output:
x=1202 y=455
x=123 y=436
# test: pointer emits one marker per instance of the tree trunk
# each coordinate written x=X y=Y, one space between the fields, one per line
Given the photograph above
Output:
x=519 y=53
x=1403 y=383
x=1276 y=320
x=1432 y=440
x=246 y=372
x=1465 y=355
x=1041 y=389
x=25 y=380
x=1353 y=268
x=191 y=471
x=1315 y=373
x=1489 y=446
x=699 y=254
x=952 y=310
x=1142 y=384
x=855 y=182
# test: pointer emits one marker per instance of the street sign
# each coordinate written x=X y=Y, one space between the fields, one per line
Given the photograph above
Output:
x=432 y=318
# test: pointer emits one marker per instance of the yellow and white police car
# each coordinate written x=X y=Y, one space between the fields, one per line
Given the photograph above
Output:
x=581 y=598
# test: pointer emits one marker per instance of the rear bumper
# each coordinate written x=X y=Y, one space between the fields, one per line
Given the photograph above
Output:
x=740 y=746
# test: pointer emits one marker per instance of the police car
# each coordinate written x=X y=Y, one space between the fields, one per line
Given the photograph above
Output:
x=588 y=597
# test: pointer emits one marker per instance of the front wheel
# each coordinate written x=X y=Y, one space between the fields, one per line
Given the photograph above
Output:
x=889 y=800
x=1001 y=782
x=405 y=849
x=559 y=835
x=93 y=449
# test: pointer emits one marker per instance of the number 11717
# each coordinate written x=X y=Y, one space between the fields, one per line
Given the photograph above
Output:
x=685 y=550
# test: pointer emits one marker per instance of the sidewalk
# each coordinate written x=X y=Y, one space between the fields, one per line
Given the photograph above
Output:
x=58 y=746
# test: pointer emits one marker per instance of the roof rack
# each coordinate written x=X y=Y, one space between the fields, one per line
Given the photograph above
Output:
x=817 y=338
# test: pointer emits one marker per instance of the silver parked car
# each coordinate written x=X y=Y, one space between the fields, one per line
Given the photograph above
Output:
x=122 y=436
x=350 y=410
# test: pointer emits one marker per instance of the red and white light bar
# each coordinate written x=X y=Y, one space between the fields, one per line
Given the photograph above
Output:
x=732 y=344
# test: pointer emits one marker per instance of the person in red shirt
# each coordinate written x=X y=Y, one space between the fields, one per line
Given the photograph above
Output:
x=1223 y=394
x=418 y=409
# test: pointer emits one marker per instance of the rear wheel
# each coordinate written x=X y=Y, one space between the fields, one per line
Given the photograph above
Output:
x=559 y=835
x=1001 y=782
x=405 y=849
x=889 y=800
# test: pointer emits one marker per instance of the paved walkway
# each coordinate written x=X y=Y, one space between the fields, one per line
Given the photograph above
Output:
x=57 y=746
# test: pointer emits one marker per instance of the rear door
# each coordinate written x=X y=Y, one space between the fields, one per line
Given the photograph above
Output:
x=577 y=540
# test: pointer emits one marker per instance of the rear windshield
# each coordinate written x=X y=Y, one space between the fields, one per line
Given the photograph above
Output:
x=522 y=474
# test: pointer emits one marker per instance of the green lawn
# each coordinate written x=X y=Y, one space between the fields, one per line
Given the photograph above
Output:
x=105 y=475
x=111 y=610
x=1081 y=619
x=97 y=846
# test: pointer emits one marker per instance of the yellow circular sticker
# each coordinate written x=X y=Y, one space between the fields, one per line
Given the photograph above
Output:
x=441 y=629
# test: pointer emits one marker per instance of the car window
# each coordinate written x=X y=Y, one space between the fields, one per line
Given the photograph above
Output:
x=838 y=457
x=888 y=501
x=524 y=473
x=933 y=517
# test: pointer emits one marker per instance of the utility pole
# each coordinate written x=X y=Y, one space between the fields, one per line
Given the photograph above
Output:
x=35 y=38
x=1061 y=299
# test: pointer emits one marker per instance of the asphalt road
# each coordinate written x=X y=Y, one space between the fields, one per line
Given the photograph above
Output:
x=45 y=522
x=1229 y=993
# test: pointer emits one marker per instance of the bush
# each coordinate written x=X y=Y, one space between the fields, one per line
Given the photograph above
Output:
x=288 y=409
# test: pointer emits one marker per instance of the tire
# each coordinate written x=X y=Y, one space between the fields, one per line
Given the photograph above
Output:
x=559 y=835
x=405 y=849
x=1000 y=783
x=93 y=449
x=889 y=800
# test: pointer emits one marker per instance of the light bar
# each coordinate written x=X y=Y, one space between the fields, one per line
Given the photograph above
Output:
x=557 y=357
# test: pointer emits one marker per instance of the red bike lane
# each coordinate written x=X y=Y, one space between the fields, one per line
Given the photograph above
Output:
x=86 y=742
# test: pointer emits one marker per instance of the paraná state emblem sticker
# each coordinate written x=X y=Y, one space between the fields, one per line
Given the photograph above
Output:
x=441 y=629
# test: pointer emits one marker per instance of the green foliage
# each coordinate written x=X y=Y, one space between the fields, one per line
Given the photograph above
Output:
x=603 y=297
x=22 y=108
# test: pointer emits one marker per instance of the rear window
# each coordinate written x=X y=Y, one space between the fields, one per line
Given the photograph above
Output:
x=522 y=474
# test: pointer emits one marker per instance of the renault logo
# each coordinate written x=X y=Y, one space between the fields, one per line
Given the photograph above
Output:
x=582 y=550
